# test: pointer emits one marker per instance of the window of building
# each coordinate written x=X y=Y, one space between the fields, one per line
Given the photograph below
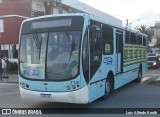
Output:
x=55 y=11
x=38 y=6
x=1 y=25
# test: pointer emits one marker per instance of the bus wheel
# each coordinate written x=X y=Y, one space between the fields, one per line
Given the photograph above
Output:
x=139 y=75
x=108 y=88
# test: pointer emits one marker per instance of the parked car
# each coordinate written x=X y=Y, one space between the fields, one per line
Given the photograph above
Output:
x=153 y=62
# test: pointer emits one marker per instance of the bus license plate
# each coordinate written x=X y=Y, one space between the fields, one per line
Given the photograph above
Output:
x=45 y=95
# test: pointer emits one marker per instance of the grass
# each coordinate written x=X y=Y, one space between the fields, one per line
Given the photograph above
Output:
x=155 y=83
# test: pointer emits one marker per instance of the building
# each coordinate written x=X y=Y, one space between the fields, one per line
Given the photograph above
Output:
x=13 y=12
x=156 y=34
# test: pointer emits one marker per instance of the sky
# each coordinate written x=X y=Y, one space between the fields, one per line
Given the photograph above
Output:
x=139 y=12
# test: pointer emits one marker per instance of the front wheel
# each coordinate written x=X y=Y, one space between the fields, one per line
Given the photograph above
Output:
x=108 y=88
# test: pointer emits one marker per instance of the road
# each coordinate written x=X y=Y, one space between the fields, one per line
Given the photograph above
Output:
x=132 y=95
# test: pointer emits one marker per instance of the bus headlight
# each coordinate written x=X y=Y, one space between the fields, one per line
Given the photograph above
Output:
x=68 y=88
x=154 y=63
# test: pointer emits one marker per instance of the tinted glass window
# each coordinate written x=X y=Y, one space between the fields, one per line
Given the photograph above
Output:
x=133 y=38
x=144 y=41
x=107 y=36
x=127 y=38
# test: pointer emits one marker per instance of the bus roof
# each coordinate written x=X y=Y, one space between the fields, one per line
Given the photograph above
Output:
x=114 y=23
x=109 y=20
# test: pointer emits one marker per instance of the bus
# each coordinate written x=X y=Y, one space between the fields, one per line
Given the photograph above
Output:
x=77 y=58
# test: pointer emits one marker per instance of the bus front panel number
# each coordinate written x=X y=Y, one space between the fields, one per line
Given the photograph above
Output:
x=35 y=72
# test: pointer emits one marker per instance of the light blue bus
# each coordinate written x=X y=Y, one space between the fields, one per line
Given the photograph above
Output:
x=77 y=58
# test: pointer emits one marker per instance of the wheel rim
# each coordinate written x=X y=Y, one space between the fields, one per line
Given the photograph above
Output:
x=108 y=87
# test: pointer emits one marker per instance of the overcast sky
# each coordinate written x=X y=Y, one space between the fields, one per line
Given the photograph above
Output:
x=147 y=11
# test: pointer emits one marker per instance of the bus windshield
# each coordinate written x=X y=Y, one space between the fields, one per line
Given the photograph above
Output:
x=50 y=56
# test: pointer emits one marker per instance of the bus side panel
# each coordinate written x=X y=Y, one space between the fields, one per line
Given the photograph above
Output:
x=97 y=82
x=96 y=90
x=130 y=73
x=144 y=67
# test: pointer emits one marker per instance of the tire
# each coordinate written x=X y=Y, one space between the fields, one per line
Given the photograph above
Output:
x=108 y=87
x=157 y=66
x=139 y=75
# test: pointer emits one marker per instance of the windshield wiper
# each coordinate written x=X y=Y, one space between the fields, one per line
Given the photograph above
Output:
x=72 y=49
x=38 y=41
x=72 y=44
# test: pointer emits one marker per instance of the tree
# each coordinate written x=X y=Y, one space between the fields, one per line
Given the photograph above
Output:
x=144 y=29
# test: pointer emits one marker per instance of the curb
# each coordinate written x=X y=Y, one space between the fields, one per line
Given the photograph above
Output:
x=15 y=82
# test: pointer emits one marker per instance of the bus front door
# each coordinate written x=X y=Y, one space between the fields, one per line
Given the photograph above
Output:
x=119 y=51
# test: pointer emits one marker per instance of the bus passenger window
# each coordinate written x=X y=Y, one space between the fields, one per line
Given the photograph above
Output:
x=139 y=40
x=95 y=49
x=133 y=38
x=127 y=38
x=144 y=41
x=107 y=35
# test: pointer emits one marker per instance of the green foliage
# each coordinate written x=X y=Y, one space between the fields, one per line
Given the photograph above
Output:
x=146 y=30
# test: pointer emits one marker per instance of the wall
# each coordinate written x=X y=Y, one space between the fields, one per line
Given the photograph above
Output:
x=12 y=24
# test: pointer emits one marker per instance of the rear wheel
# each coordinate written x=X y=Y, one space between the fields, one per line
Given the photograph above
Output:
x=108 y=87
x=139 y=75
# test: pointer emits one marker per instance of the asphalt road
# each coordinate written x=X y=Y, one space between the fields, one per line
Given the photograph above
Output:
x=132 y=95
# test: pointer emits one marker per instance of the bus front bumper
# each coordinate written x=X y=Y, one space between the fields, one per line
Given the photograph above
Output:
x=79 y=96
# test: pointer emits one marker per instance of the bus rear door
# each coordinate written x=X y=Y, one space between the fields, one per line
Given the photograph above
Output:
x=119 y=51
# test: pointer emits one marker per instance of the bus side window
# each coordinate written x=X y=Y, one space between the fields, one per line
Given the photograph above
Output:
x=144 y=41
x=85 y=57
x=95 y=49
x=133 y=38
x=107 y=35
x=139 y=40
x=127 y=38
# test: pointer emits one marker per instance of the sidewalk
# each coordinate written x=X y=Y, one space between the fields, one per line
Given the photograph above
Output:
x=13 y=78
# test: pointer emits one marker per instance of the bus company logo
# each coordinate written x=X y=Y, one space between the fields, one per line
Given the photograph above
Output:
x=108 y=61
x=6 y=111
